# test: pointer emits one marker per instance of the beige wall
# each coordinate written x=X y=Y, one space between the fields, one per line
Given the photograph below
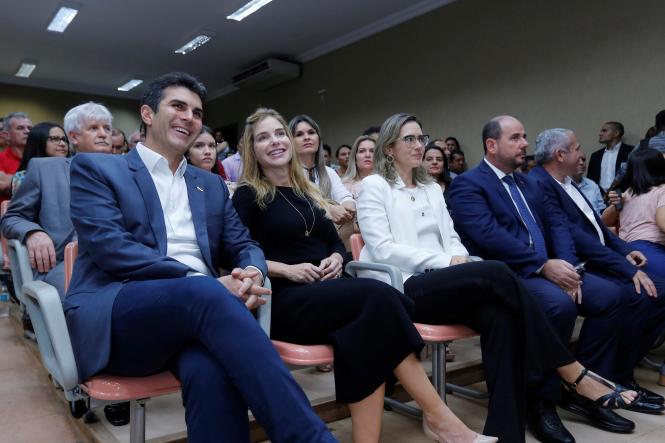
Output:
x=565 y=63
x=48 y=105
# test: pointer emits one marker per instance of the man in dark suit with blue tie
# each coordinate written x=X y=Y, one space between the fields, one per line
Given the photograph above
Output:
x=146 y=294
x=558 y=153
x=499 y=215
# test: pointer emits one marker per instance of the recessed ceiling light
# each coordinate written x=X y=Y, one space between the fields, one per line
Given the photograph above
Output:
x=196 y=42
x=130 y=85
x=62 y=19
x=25 y=70
x=250 y=8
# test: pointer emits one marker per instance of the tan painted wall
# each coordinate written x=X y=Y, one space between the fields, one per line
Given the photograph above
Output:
x=565 y=63
x=49 y=105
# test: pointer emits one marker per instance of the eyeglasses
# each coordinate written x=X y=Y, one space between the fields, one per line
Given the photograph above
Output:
x=56 y=139
x=410 y=140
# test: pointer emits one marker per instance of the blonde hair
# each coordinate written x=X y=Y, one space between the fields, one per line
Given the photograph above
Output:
x=253 y=176
x=352 y=173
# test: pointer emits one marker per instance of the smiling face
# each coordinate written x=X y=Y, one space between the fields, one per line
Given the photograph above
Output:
x=365 y=157
x=272 y=146
x=94 y=136
x=202 y=153
x=407 y=155
x=306 y=139
x=571 y=157
x=56 y=143
x=433 y=162
x=176 y=123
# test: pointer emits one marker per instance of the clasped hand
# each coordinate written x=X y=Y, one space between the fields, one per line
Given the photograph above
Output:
x=564 y=275
x=246 y=285
x=329 y=268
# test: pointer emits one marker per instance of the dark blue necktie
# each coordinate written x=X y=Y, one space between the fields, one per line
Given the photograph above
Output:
x=531 y=225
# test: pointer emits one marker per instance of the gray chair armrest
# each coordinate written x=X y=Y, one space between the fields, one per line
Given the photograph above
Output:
x=48 y=319
x=20 y=266
x=264 y=311
x=393 y=272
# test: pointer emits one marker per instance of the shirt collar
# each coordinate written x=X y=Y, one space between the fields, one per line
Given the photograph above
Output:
x=399 y=183
x=154 y=161
x=615 y=148
x=499 y=173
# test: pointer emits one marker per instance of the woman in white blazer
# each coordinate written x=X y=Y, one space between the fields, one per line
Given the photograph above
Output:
x=404 y=221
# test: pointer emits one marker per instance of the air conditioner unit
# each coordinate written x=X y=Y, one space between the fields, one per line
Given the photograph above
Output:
x=267 y=74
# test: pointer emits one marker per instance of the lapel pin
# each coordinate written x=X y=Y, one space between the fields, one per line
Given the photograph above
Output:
x=199 y=188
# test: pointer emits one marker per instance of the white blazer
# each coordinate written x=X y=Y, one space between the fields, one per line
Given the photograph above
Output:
x=387 y=226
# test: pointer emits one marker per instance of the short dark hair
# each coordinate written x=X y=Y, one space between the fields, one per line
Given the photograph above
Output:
x=456 y=152
x=492 y=129
x=371 y=130
x=453 y=139
x=35 y=145
x=116 y=131
x=339 y=148
x=618 y=126
x=327 y=149
x=646 y=169
x=660 y=121
x=154 y=92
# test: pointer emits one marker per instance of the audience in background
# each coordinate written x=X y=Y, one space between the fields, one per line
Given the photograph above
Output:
x=327 y=154
x=372 y=131
x=452 y=144
x=307 y=138
x=528 y=165
x=657 y=141
x=203 y=153
x=17 y=126
x=343 y=154
x=640 y=211
x=232 y=165
x=444 y=147
x=606 y=162
x=457 y=164
x=436 y=165
x=136 y=137
x=119 y=143
x=311 y=304
x=588 y=187
x=4 y=137
x=44 y=140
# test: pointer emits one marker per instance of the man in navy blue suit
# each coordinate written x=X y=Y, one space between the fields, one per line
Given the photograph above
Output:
x=558 y=154
x=146 y=294
x=500 y=215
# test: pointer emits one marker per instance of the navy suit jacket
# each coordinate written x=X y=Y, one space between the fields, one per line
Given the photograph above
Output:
x=490 y=226
x=118 y=217
x=608 y=258
x=593 y=172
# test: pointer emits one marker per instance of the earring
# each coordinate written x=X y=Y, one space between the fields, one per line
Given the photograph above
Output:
x=390 y=159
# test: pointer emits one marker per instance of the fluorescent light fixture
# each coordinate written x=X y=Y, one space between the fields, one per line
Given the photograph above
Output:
x=130 y=85
x=196 y=42
x=25 y=70
x=62 y=19
x=250 y=8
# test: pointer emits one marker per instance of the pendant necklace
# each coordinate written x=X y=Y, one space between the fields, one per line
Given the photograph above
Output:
x=307 y=231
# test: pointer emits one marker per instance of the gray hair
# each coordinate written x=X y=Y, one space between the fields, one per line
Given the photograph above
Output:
x=7 y=122
x=549 y=141
x=325 y=185
x=352 y=170
x=387 y=137
x=78 y=115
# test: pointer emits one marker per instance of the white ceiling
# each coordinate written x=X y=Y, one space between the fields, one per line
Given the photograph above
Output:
x=113 y=41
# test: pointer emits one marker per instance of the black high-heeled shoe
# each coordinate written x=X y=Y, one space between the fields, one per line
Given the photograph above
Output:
x=613 y=400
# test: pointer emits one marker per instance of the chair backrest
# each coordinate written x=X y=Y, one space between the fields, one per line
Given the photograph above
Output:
x=357 y=244
x=71 y=252
x=5 y=257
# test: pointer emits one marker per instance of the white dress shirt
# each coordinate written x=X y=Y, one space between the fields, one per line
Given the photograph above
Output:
x=338 y=191
x=582 y=204
x=608 y=166
x=172 y=190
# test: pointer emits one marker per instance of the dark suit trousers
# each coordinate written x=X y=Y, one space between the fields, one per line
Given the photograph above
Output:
x=215 y=347
x=601 y=306
x=518 y=343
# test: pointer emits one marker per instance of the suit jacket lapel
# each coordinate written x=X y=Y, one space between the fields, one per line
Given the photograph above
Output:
x=197 y=204
x=150 y=198
x=500 y=189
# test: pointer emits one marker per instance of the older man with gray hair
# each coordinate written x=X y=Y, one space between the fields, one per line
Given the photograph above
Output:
x=16 y=127
x=558 y=153
x=39 y=212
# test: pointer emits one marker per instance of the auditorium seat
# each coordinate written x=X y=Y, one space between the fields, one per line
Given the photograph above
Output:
x=5 y=258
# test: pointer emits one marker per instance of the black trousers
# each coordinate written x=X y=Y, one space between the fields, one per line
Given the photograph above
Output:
x=518 y=344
